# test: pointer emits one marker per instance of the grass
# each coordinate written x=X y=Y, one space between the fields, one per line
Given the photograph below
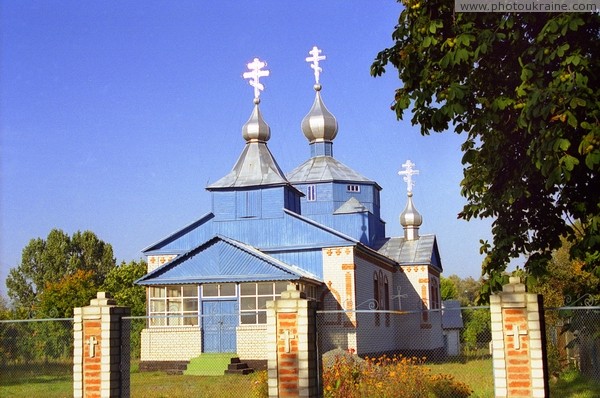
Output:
x=209 y=364
x=55 y=381
x=476 y=373
x=143 y=385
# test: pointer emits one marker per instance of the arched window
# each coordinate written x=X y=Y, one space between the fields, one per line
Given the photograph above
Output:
x=386 y=300
x=376 y=297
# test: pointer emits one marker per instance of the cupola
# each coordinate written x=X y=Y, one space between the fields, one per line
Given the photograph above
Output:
x=410 y=218
x=319 y=125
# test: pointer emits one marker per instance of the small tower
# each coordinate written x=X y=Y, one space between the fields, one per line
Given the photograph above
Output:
x=255 y=187
x=319 y=125
x=410 y=219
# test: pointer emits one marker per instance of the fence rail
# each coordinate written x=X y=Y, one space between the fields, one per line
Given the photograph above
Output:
x=36 y=354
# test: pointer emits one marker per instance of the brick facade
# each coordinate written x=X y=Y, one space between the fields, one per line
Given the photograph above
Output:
x=100 y=350
x=291 y=332
x=517 y=343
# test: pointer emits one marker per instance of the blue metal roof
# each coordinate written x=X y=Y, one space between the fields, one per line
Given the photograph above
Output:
x=221 y=259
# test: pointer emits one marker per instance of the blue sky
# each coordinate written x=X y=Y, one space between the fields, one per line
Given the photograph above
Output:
x=115 y=115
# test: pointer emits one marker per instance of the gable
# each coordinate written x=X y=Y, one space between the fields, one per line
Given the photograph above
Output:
x=223 y=260
x=184 y=239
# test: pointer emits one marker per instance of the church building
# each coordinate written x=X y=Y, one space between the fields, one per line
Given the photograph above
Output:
x=317 y=228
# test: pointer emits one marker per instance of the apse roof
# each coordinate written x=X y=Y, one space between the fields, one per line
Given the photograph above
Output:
x=221 y=259
x=404 y=252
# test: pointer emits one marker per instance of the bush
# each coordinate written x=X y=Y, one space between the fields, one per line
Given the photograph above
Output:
x=397 y=377
x=443 y=386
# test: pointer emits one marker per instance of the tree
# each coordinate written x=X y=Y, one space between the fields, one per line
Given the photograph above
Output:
x=448 y=289
x=46 y=262
x=523 y=88
x=119 y=282
x=58 y=299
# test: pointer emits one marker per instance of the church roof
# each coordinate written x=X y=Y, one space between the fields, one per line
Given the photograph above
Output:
x=407 y=252
x=255 y=167
x=221 y=260
x=325 y=169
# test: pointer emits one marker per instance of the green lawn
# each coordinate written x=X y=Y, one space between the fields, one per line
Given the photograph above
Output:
x=57 y=382
x=475 y=373
x=143 y=385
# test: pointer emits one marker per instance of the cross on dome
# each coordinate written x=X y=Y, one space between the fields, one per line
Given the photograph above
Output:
x=255 y=74
x=408 y=172
x=315 y=58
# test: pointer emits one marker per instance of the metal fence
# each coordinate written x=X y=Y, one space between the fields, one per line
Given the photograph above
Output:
x=36 y=355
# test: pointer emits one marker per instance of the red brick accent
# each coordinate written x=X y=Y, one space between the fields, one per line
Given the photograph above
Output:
x=287 y=362
x=518 y=370
x=92 y=355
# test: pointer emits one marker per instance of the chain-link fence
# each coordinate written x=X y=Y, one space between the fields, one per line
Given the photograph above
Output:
x=36 y=357
x=415 y=351
x=177 y=357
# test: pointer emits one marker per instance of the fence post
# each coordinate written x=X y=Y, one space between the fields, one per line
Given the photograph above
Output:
x=99 y=368
x=518 y=342
x=292 y=346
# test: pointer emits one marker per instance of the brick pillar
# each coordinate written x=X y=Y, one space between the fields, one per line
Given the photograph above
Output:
x=518 y=342
x=101 y=350
x=292 y=346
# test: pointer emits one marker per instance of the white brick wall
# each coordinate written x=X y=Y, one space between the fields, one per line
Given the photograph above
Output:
x=251 y=341
x=171 y=344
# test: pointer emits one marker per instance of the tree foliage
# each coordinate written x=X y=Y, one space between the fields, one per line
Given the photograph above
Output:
x=448 y=289
x=54 y=262
x=523 y=88
x=119 y=282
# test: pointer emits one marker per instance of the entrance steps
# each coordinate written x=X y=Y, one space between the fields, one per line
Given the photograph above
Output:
x=238 y=367
x=209 y=364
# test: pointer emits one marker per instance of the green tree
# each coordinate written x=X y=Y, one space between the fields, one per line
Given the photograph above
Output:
x=58 y=299
x=524 y=89
x=119 y=282
x=45 y=262
x=468 y=289
x=448 y=289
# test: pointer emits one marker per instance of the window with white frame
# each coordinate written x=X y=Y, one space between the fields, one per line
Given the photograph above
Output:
x=175 y=305
x=219 y=290
x=353 y=188
x=311 y=193
x=253 y=300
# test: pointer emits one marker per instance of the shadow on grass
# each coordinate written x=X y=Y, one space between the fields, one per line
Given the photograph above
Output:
x=34 y=373
x=574 y=385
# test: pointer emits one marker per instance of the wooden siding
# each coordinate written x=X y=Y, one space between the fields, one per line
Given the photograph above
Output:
x=309 y=260
x=223 y=204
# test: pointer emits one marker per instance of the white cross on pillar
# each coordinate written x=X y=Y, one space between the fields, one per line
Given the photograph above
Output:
x=255 y=74
x=408 y=172
x=516 y=334
x=315 y=58
x=92 y=343
x=286 y=337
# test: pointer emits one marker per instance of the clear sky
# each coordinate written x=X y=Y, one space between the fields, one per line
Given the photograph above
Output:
x=115 y=115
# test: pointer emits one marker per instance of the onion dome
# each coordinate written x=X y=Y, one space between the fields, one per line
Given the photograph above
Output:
x=256 y=129
x=411 y=220
x=319 y=124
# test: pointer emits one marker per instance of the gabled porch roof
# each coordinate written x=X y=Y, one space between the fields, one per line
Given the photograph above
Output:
x=221 y=260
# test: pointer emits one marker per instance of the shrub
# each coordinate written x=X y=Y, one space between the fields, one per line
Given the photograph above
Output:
x=260 y=388
x=443 y=386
